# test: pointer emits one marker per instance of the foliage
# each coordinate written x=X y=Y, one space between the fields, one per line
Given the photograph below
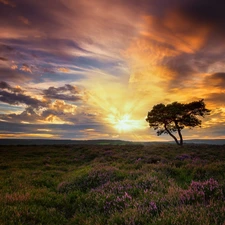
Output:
x=133 y=184
x=174 y=117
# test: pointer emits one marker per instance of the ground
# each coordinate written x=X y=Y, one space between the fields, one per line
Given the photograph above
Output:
x=112 y=184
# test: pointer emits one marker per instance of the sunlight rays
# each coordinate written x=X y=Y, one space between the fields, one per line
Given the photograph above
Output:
x=122 y=114
x=125 y=123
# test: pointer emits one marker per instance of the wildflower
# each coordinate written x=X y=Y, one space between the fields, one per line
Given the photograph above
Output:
x=153 y=206
x=127 y=196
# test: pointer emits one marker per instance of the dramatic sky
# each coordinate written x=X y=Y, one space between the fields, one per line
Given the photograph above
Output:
x=92 y=69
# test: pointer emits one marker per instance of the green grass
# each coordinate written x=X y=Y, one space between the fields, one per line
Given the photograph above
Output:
x=112 y=184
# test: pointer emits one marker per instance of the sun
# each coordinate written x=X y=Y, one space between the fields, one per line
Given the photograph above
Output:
x=124 y=123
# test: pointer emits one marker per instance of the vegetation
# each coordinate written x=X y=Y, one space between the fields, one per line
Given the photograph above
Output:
x=112 y=184
x=172 y=118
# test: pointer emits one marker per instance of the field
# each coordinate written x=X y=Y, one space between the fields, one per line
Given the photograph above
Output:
x=112 y=184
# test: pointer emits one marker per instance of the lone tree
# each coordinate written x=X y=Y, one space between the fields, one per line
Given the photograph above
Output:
x=172 y=118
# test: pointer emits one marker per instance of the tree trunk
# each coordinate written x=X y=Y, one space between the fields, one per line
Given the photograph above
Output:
x=172 y=136
x=179 y=133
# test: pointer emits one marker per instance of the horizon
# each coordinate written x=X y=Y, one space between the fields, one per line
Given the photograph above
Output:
x=90 y=70
x=44 y=141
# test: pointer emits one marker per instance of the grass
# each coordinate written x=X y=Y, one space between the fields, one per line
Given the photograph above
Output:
x=112 y=184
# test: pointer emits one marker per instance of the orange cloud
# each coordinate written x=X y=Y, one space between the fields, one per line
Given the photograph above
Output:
x=26 y=68
x=176 y=32
x=14 y=67
x=64 y=70
x=61 y=106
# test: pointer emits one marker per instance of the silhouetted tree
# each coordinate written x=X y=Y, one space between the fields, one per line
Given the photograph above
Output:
x=172 y=118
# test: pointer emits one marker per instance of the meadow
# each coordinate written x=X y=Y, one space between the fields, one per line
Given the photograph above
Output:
x=161 y=184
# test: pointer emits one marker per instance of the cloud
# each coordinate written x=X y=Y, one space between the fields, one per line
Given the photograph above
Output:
x=8 y=74
x=3 y=59
x=205 y=12
x=8 y=2
x=216 y=80
x=64 y=35
x=27 y=116
x=14 y=67
x=4 y=85
x=66 y=92
x=88 y=20
x=15 y=96
x=175 y=53
x=57 y=112
x=26 y=68
x=64 y=70
x=216 y=98
x=181 y=35
x=59 y=105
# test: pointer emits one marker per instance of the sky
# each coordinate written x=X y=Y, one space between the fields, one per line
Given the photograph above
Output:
x=93 y=69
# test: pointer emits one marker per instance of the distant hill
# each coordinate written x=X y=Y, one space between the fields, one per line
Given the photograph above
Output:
x=61 y=142
x=207 y=141
x=100 y=142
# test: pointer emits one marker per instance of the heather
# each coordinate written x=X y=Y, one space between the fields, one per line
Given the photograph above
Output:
x=112 y=184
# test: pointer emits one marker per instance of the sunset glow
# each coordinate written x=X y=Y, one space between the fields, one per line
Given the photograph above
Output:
x=125 y=123
x=93 y=69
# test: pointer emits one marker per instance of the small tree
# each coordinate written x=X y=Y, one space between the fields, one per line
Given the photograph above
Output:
x=172 y=118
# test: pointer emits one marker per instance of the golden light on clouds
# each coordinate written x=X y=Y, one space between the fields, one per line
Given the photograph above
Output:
x=31 y=135
x=53 y=119
x=60 y=105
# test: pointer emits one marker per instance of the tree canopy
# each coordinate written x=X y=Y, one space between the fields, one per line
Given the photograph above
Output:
x=174 y=117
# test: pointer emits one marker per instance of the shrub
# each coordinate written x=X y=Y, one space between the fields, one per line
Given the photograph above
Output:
x=202 y=192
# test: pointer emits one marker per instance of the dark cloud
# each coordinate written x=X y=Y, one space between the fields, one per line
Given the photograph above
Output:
x=61 y=130
x=206 y=60
x=5 y=48
x=181 y=64
x=15 y=96
x=205 y=12
x=16 y=99
x=10 y=75
x=37 y=13
x=216 y=80
x=28 y=115
x=67 y=92
x=3 y=59
x=4 y=85
x=216 y=98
